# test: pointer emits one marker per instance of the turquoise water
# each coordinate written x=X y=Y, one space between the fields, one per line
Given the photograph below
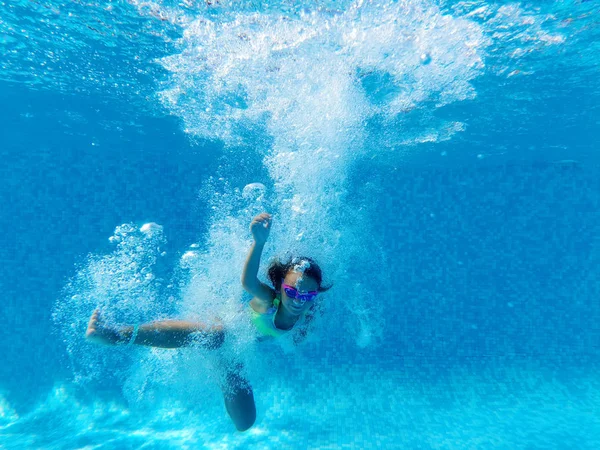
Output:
x=437 y=158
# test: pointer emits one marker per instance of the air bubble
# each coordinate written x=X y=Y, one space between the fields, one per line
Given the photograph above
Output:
x=151 y=229
x=254 y=191
x=188 y=259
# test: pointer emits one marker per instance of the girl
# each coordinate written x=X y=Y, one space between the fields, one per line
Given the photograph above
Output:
x=275 y=311
x=296 y=284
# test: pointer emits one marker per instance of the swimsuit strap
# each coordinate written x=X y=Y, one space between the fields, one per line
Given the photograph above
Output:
x=273 y=309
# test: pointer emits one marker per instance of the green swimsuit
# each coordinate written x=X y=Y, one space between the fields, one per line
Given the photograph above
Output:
x=265 y=323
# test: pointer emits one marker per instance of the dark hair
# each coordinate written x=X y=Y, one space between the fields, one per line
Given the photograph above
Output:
x=278 y=270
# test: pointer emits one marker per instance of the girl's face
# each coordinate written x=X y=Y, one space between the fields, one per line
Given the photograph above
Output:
x=303 y=284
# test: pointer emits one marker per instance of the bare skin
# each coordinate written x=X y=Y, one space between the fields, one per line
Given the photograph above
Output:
x=237 y=392
x=98 y=333
x=163 y=334
x=290 y=310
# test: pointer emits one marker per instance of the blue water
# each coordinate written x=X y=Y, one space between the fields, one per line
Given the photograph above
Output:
x=437 y=157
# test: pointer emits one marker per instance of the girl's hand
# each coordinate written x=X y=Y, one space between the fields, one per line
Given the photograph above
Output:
x=260 y=228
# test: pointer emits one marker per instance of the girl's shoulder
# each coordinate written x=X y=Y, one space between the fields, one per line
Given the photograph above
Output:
x=261 y=306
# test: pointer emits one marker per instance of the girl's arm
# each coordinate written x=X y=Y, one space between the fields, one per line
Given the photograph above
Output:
x=260 y=228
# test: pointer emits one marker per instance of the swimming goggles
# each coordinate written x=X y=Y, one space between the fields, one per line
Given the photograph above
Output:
x=292 y=292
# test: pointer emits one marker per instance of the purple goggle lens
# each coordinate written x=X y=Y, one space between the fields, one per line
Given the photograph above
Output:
x=292 y=292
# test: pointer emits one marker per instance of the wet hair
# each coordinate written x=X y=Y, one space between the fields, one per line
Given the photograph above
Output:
x=308 y=266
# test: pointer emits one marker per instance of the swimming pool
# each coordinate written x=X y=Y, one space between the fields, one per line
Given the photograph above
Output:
x=436 y=157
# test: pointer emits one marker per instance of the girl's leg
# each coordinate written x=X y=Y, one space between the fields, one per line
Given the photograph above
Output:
x=237 y=392
x=164 y=333
x=239 y=398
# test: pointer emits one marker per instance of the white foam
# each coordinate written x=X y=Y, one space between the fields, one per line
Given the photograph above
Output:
x=7 y=413
x=300 y=265
x=254 y=191
x=151 y=229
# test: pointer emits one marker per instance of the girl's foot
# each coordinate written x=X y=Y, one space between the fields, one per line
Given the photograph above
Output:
x=99 y=333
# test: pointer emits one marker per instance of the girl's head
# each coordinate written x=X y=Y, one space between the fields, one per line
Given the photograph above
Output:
x=301 y=278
